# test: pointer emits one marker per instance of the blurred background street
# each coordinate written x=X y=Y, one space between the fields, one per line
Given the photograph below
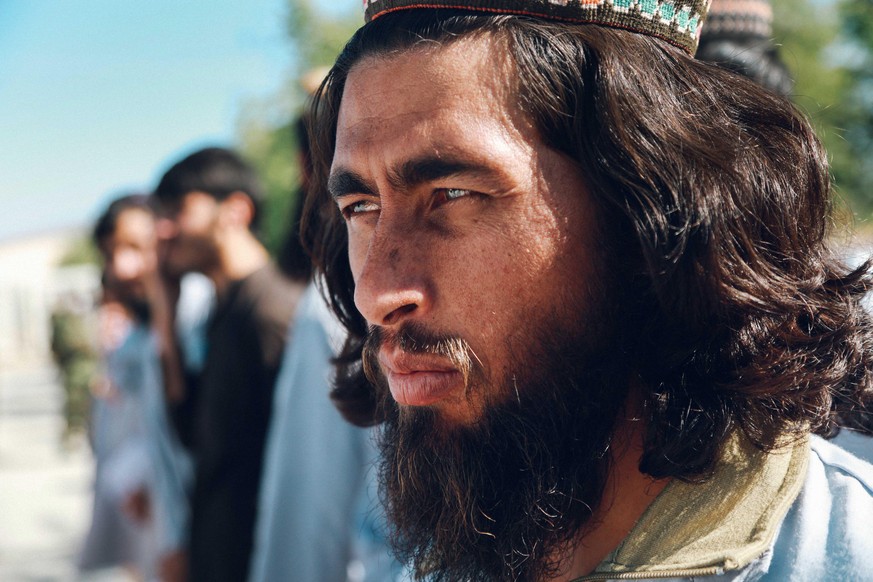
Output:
x=45 y=486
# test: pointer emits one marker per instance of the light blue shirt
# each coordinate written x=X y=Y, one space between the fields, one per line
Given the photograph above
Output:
x=136 y=370
x=857 y=443
x=827 y=534
x=317 y=517
x=169 y=466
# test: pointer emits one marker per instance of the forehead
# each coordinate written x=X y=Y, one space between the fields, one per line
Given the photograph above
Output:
x=431 y=96
x=134 y=221
x=190 y=201
x=133 y=227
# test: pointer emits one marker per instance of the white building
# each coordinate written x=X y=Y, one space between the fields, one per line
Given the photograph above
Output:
x=31 y=285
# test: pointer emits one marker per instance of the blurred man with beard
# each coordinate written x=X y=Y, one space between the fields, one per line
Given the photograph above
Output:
x=210 y=206
x=589 y=296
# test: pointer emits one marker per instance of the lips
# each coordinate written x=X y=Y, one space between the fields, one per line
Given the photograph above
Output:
x=419 y=379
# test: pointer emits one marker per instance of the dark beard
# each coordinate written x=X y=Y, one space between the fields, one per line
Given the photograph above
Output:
x=141 y=310
x=507 y=498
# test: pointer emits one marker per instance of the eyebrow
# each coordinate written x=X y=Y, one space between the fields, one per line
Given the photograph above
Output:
x=344 y=182
x=410 y=174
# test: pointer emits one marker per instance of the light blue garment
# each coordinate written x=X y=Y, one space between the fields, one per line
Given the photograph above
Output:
x=857 y=443
x=120 y=446
x=170 y=469
x=827 y=534
x=196 y=302
x=312 y=507
x=371 y=560
x=136 y=370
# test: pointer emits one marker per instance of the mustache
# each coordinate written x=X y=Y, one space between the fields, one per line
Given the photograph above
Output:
x=415 y=338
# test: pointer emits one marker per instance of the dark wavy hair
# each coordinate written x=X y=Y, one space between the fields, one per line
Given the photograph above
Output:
x=716 y=198
x=107 y=222
x=216 y=171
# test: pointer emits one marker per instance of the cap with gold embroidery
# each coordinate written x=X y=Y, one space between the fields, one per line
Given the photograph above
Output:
x=677 y=21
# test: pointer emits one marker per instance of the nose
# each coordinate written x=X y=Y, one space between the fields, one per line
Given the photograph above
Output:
x=127 y=266
x=392 y=277
x=165 y=229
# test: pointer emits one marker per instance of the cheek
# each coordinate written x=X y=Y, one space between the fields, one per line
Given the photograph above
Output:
x=357 y=249
x=195 y=222
x=510 y=282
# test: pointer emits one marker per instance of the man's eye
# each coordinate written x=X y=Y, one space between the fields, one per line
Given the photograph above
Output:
x=448 y=194
x=359 y=207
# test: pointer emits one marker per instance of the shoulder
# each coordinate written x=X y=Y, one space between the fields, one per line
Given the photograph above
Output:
x=857 y=443
x=841 y=468
x=827 y=530
x=314 y=318
x=271 y=296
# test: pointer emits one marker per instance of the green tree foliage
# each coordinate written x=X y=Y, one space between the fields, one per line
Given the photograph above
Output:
x=271 y=148
x=266 y=130
x=77 y=360
x=822 y=42
x=317 y=35
x=857 y=29
x=80 y=251
x=805 y=33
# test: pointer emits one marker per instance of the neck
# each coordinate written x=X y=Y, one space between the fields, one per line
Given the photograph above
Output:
x=628 y=493
x=239 y=255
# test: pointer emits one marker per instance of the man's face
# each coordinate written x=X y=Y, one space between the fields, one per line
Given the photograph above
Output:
x=493 y=322
x=188 y=234
x=462 y=223
x=130 y=254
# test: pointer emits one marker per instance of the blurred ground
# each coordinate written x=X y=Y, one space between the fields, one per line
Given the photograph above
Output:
x=45 y=488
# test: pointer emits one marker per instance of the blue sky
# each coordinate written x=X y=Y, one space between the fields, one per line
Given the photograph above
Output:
x=98 y=96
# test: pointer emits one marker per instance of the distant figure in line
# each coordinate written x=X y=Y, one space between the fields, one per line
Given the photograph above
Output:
x=209 y=206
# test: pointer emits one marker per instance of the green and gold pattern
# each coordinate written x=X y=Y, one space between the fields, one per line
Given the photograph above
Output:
x=676 y=21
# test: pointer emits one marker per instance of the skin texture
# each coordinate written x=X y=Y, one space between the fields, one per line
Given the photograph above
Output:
x=494 y=230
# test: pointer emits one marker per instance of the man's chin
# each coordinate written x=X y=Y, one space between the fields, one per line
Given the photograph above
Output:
x=131 y=293
x=471 y=496
x=176 y=267
x=445 y=416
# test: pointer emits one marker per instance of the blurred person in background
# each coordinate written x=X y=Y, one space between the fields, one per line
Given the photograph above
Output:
x=738 y=36
x=151 y=473
x=318 y=521
x=115 y=538
x=209 y=204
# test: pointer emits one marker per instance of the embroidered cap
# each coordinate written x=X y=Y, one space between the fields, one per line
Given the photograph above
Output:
x=677 y=21
x=740 y=17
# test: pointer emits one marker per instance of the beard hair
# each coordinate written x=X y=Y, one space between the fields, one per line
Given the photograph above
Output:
x=507 y=497
x=141 y=310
